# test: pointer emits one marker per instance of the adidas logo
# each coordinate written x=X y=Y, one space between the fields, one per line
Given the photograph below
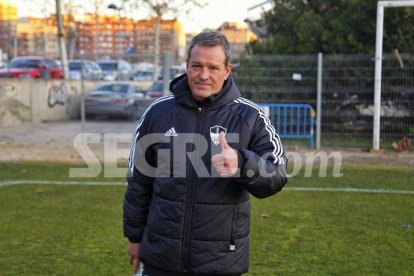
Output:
x=171 y=132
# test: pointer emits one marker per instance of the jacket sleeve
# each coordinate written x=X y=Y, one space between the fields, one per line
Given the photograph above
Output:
x=263 y=164
x=139 y=189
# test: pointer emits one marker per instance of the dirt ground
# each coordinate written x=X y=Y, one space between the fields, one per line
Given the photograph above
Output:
x=59 y=141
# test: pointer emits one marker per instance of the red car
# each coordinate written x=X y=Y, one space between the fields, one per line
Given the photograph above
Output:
x=33 y=67
x=156 y=90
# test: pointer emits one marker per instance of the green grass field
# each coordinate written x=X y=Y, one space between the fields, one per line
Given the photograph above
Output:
x=77 y=229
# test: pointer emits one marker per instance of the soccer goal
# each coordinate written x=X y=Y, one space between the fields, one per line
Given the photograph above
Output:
x=378 y=62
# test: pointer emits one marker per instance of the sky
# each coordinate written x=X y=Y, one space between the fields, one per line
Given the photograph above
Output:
x=211 y=16
x=217 y=12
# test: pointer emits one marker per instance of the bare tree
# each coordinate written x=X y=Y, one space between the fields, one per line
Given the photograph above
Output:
x=61 y=41
x=69 y=27
x=65 y=28
x=96 y=12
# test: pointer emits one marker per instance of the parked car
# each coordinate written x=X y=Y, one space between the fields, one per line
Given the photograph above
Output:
x=116 y=99
x=143 y=76
x=115 y=69
x=175 y=71
x=156 y=89
x=91 y=70
x=32 y=67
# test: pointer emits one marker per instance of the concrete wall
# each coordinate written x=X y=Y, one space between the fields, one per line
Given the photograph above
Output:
x=26 y=100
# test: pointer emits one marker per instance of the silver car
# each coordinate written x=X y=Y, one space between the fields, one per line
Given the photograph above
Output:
x=91 y=70
x=115 y=69
x=143 y=76
x=116 y=99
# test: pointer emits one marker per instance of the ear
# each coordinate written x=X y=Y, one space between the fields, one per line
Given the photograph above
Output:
x=228 y=70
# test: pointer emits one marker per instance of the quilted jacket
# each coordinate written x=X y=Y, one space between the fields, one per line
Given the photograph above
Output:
x=186 y=217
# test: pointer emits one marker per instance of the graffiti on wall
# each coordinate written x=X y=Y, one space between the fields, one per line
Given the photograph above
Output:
x=12 y=110
x=7 y=90
x=57 y=95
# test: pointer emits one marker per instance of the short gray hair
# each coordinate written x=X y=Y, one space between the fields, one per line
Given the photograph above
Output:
x=211 y=39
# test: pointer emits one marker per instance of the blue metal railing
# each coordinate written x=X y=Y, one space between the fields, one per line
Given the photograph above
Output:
x=292 y=120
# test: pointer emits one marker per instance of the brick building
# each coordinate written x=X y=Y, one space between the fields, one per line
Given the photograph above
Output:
x=8 y=22
x=37 y=36
x=238 y=36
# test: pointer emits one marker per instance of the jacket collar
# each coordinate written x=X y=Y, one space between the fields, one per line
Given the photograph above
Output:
x=182 y=92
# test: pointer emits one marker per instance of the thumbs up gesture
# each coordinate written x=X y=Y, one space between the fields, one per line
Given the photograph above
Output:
x=225 y=162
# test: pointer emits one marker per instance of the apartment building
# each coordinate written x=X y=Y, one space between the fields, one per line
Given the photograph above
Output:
x=101 y=36
x=8 y=22
x=37 y=36
x=238 y=36
x=172 y=38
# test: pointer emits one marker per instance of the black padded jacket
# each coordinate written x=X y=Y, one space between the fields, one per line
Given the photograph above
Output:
x=187 y=218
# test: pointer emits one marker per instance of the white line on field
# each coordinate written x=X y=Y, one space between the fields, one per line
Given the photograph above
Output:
x=57 y=182
x=295 y=189
x=349 y=190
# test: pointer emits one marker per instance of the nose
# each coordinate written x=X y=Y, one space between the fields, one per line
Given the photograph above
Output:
x=203 y=73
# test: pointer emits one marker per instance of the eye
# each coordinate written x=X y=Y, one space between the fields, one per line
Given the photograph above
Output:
x=214 y=69
x=195 y=66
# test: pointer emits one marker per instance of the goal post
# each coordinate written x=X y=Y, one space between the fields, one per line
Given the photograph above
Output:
x=378 y=62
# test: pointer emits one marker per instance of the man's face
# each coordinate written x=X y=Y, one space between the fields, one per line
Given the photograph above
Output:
x=207 y=71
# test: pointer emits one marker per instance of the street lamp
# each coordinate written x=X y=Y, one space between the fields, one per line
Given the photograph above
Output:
x=114 y=7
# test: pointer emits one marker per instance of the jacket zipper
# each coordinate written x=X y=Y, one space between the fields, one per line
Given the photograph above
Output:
x=233 y=229
x=190 y=197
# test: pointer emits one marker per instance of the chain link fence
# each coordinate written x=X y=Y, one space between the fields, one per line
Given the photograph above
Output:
x=347 y=93
x=347 y=102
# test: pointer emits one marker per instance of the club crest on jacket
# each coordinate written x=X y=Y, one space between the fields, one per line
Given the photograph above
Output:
x=215 y=132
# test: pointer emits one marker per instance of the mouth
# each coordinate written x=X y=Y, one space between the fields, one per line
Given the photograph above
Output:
x=202 y=84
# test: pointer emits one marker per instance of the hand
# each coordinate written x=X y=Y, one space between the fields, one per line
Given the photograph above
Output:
x=133 y=249
x=225 y=162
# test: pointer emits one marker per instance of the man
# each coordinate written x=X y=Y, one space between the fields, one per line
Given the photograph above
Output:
x=196 y=156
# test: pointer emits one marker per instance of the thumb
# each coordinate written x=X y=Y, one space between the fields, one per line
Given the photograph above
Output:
x=223 y=141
